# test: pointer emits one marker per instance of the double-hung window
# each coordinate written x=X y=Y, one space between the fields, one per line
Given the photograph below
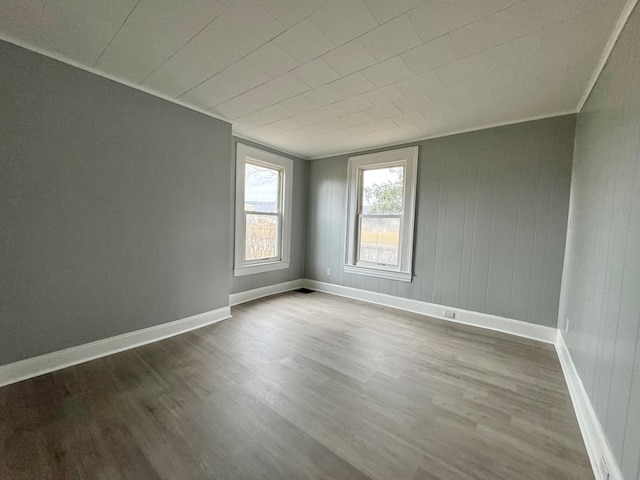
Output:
x=263 y=211
x=380 y=214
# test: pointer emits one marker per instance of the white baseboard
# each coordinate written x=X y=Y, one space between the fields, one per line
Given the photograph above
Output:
x=248 y=295
x=482 y=320
x=35 y=366
x=593 y=434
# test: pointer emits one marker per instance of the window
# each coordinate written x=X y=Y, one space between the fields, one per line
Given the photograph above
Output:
x=263 y=211
x=381 y=204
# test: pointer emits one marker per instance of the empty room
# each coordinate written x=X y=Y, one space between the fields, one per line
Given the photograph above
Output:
x=320 y=239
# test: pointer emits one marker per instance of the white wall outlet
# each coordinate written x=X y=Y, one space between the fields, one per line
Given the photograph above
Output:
x=566 y=326
x=604 y=469
x=449 y=314
x=328 y=272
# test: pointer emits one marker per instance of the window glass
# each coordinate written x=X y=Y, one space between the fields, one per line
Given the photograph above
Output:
x=382 y=190
x=261 y=188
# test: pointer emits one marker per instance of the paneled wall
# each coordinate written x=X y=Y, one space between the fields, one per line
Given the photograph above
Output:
x=114 y=208
x=490 y=223
x=601 y=285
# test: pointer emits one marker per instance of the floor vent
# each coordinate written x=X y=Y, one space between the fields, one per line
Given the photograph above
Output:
x=304 y=290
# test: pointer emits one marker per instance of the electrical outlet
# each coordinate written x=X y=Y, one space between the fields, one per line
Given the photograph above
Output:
x=328 y=272
x=604 y=469
x=449 y=314
x=566 y=326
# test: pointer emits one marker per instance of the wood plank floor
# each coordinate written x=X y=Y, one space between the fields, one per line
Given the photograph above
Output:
x=300 y=387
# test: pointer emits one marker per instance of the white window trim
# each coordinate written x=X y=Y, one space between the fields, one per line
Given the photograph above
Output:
x=408 y=157
x=245 y=153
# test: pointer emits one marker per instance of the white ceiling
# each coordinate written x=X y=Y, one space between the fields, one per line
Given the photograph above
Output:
x=317 y=77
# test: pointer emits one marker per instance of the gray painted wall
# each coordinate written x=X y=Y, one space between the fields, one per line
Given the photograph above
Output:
x=112 y=207
x=601 y=283
x=298 y=227
x=491 y=221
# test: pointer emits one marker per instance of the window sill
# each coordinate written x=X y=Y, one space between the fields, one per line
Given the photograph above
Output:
x=380 y=273
x=259 y=268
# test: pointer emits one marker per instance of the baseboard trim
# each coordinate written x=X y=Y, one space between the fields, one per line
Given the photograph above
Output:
x=476 y=319
x=593 y=434
x=50 y=362
x=248 y=295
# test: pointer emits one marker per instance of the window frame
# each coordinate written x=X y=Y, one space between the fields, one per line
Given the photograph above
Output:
x=408 y=158
x=246 y=154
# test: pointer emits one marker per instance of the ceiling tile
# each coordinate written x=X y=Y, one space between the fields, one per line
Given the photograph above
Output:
x=419 y=83
x=153 y=32
x=413 y=103
x=22 y=20
x=78 y=29
x=265 y=116
x=521 y=50
x=380 y=125
x=462 y=70
x=329 y=111
x=238 y=78
x=290 y=12
x=316 y=73
x=349 y=58
x=356 y=118
x=384 y=95
x=286 y=86
x=387 y=72
x=281 y=70
x=437 y=17
x=298 y=104
x=241 y=29
x=385 y=10
x=304 y=42
x=392 y=38
x=384 y=111
x=354 y=132
x=489 y=7
x=430 y=55
x=343 y=20
x=271 y=59
x=354 y=104
x=323 y=95
x=486 y=33
x=351 y=85
x=408 y=119
x=306 y=118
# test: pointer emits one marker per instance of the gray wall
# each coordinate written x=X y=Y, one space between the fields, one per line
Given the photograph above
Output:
x=115 y=207
x=491 y=221
x=298 y=227
x=601 y=283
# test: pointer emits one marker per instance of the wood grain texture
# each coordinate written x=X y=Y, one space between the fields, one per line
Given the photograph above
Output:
x=302 y=387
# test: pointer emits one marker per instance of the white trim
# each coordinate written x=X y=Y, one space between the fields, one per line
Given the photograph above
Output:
x=50 y=362
x=100 y=73
x=477 y=319
x=357 y=165
x=260 y=268
x=593 y=434
x=617 y=30
x=244 y=154
x=379 y=273
x=248 y=295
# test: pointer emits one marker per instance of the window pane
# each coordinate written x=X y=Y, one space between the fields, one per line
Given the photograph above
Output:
x=379 y=240
x=382 y=190
x=261 y=189
x=261 y=236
